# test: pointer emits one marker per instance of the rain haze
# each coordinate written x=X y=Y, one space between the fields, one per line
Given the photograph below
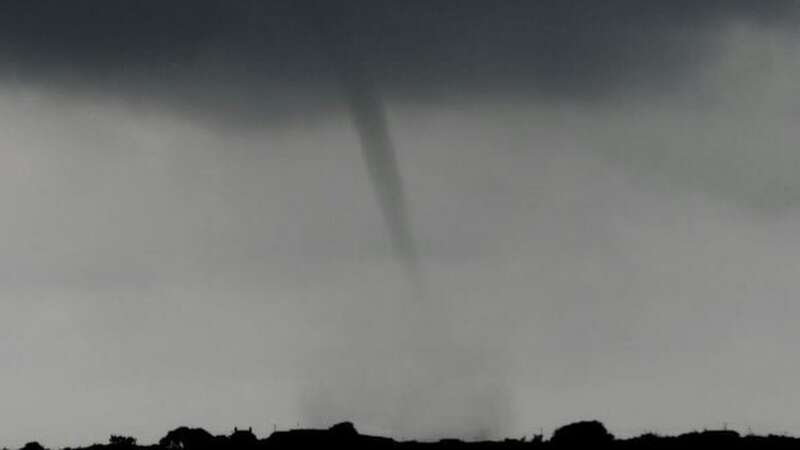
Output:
x=472 y=219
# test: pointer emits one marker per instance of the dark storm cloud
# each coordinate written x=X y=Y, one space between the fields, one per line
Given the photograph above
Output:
x=256 y=64
x=214 y=58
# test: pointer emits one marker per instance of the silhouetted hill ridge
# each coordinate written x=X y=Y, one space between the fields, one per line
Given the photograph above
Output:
x=589 y=434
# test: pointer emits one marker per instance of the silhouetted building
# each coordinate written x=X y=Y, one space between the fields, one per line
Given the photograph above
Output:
x=242 y=438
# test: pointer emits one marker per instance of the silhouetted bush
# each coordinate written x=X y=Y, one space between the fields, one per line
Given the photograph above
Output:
x=33 y=446
x=122 y=441
x=579 y=434
x=187 y=438
x=344 y=429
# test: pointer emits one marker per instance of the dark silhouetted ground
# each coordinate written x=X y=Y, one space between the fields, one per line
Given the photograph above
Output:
x=586 y=434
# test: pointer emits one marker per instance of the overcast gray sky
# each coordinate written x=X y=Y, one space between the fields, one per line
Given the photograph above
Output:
x=604 y=202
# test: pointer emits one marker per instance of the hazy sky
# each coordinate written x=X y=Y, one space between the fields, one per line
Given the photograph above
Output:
x=604 y=199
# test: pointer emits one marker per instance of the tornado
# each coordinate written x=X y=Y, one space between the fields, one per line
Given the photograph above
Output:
x=368 y=116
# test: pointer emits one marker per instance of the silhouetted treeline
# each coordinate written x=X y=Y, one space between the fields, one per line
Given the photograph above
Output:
x=579 y=435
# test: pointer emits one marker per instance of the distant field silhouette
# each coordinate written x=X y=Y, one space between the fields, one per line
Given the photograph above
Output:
x=578 y=435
